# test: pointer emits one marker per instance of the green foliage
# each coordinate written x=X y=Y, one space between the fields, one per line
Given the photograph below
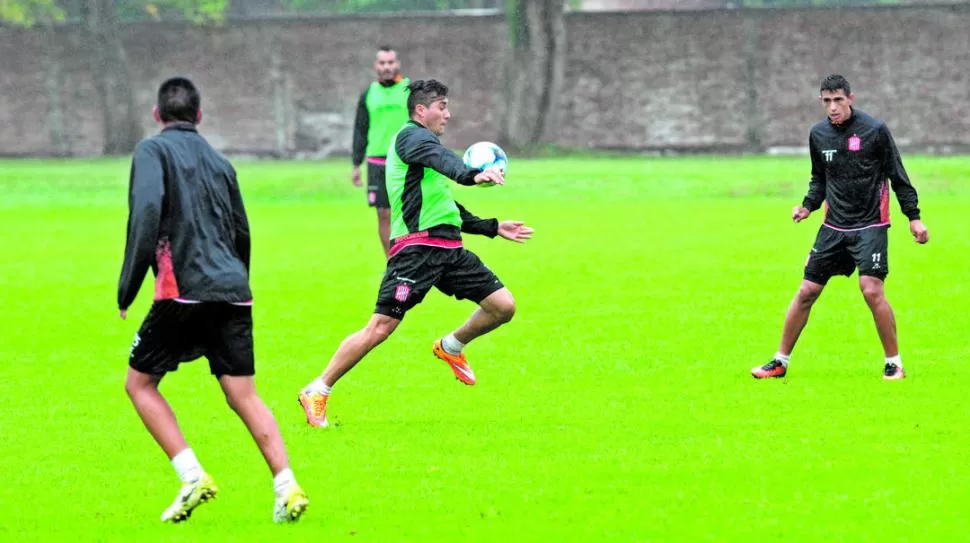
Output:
x=30 y=12
x=199 y=11
x=517 y=22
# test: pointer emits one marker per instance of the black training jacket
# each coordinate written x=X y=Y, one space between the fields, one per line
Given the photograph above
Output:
x=186 y=221
x=850 y=165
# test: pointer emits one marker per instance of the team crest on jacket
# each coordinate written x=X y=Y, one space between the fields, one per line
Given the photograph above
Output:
x=855 y=144
x=402 y=292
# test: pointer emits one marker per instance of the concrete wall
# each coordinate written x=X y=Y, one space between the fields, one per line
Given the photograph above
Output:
x=714 y=80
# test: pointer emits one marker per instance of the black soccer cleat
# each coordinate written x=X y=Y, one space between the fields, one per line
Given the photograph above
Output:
x=775 y=368
x=892 y=372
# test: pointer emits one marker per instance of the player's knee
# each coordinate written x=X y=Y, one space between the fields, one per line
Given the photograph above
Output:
x=378 y=332
x=807 y=294
x=504 y=310
x=239 y=403
x=242 y=401
x=134 y=387
x=508 y=312
x=873 y=297
x=872 y=292
x=131 y=389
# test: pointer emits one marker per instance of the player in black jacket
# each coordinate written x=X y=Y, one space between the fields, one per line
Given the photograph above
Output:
x=852 y=156
x=187 y=221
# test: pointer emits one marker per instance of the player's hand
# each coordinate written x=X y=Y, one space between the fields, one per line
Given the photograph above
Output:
x=920 y=233
x=123 y=313
x=799 y=213
x=355 y=176
x=491 y=175
x=515 y=231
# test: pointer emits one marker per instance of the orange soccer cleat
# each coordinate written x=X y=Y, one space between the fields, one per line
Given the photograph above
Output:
x=457 y=362
x=315 y=406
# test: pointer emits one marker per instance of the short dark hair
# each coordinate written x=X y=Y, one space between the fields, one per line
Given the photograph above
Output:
x=835 y=82
x=425 y=91
x=178 y=100
x=385 y=48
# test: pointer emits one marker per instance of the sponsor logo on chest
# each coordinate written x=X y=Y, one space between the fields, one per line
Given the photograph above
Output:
x=855 y=143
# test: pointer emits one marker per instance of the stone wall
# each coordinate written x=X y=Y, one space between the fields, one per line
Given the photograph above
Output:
x=643 y=5
x=698 y=80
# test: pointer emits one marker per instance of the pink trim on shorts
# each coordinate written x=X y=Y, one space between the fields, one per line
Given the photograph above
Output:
x=837 y=229
x=422 y=238
x=185 y=301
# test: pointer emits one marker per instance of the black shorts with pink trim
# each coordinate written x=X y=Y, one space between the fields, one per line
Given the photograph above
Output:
x=377 y=186
x=175 y=332
x=841 y=252
x=413 y=270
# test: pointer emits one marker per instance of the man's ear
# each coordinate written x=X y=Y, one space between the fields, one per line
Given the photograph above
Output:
x=198 y=117
x=156 y=115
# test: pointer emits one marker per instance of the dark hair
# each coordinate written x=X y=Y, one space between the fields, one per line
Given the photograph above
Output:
x=835 y=82
x=425 y=91
x=385 y=48
x=178 y=100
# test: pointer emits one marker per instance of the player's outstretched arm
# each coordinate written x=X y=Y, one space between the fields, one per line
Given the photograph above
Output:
x=515 y=231
x=472 y=224
x=491 y=175
x=419 y=146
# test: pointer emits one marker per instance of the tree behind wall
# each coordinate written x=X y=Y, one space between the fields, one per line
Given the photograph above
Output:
x=533 y=72
x=112 y=77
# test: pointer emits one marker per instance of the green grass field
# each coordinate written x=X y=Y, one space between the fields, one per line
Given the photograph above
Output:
x=617 y=405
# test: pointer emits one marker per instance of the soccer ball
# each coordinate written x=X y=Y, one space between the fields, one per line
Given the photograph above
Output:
x=484 y=155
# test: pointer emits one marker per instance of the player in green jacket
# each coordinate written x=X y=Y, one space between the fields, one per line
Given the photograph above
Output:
x=381 y=111
x=426 y=248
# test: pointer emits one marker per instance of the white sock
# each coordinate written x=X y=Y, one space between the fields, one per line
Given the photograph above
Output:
x=451 y=345
x=898 y=360
x=283 y=483
x=317 y=385
x=187 y=466
x=783 y=358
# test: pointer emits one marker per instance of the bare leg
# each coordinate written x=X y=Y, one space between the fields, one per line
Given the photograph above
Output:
x=494 y=311
x=797 y=316
x=384 y=228
x=873 y=289
x=154 y=411
x=241 y=394
x=357 y=345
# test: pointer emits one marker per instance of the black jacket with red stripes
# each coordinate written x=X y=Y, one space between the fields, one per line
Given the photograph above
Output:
x=850 y=165
x=186 y=221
